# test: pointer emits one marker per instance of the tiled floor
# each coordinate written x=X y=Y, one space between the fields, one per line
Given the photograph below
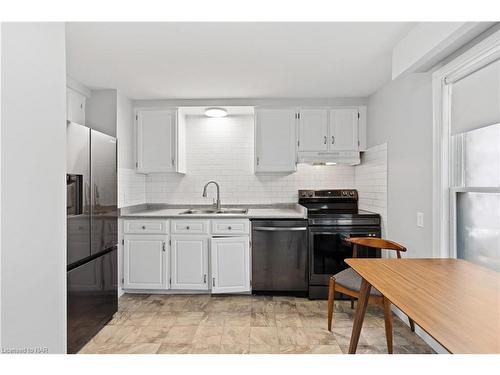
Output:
x=242 y=324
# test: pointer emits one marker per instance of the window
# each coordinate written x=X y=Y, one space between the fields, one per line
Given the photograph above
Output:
x=467 y=155
x=475 y=196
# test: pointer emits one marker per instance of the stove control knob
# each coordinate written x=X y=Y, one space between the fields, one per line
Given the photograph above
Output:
x=351 y=193
x=344 y=193
x=310 y=194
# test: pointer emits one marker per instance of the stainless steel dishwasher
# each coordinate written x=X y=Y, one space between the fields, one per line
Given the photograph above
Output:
x=279 y=257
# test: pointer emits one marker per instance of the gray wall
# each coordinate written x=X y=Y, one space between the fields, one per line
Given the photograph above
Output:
x=100 y=111
x=400 y=114
x=33 y=199
x=125 y=132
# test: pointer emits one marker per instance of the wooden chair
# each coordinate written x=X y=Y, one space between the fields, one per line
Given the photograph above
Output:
x=348 y=282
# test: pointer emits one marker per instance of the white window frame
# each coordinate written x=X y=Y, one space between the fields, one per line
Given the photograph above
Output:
x=477 y=57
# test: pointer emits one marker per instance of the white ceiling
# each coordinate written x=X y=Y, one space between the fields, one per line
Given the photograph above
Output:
x=234 y=60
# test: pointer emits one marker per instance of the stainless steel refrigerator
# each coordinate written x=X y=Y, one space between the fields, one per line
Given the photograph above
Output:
x=91 y=209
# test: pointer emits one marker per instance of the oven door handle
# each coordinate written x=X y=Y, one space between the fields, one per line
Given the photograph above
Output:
x=280 y=229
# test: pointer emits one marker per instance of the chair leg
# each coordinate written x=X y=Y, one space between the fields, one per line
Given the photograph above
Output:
x=412 y=324
x=331 y=295
x=352 y=303
x=388 y=324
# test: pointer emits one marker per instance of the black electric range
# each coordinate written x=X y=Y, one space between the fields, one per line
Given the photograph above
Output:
x=333 y=216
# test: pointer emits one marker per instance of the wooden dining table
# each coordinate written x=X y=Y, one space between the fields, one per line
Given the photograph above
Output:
x=454 y=301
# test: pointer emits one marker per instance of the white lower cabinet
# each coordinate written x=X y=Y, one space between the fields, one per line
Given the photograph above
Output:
x=189 y=262
x=230 y=261
x=145 y=261
x=190 y=255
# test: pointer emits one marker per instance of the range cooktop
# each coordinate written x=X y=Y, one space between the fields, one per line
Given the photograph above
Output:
x=335 y=207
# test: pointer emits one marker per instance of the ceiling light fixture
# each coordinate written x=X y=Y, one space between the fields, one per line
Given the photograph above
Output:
x=215 y=112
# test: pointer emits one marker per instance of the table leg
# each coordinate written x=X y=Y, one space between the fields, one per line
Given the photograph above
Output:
x=364 y=294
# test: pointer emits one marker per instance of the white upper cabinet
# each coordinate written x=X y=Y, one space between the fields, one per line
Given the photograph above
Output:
x=145 y=263
x=75 y=106
x=189 y=262
x=156 y=140
x=343 y=135
x=313 y=130
x=275 y=140
x=331 y=135
x=230 y=262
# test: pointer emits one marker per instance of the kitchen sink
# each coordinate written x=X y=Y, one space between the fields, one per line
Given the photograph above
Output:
x=209 y=211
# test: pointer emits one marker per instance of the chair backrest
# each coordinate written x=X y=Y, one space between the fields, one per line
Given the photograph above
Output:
x=376 y=243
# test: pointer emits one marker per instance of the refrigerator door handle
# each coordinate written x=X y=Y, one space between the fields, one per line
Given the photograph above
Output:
x=87 y=196
x=96 y=195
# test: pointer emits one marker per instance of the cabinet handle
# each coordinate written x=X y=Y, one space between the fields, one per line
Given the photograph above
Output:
x=257 y=160
x=333 y=139
x=213 y=281
x=187 y=227
x=325 y=139
x=204 y=278
x=173 y=161
x=144 y=227
x=164 y=246
x=229 y=228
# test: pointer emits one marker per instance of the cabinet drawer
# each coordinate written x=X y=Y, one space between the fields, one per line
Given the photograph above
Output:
x=190 y=226
x=145 y=226
x=228 y=227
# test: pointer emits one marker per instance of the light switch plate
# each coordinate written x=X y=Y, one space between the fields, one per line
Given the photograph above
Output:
x=420 y=219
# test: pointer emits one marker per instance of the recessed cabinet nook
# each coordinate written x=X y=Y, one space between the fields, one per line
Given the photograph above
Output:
x=196 y=255
x=75 y=106
x=284 y=137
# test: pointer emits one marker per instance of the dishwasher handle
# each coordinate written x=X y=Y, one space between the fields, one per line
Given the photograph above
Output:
x=280 y=229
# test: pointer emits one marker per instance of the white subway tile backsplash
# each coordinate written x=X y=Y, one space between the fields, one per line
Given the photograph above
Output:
x=224 y=151
x=371 y=182
x=131 y=187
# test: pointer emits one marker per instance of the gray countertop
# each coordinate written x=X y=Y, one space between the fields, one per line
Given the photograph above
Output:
x=272 y=211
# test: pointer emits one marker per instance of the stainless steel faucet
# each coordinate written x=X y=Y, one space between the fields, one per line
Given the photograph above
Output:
x=217 y=204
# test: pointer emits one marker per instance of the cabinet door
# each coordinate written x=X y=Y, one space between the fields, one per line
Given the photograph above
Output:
x=155 y=140
x=230 y=258
x=189 y=262
x=313 y=130
x=344 y=129
x=275 y=140
x=75 y=107
x=145 y=264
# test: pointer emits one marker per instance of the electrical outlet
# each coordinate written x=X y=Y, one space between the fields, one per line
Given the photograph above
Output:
x=420 y=219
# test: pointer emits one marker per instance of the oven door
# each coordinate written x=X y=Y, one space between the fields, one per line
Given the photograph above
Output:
x=328 y=250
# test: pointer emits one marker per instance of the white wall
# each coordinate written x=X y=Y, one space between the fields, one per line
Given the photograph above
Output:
x=1 y=49
x=33 y=167
x=125 y=132
x=100 y=111
x=400 y=114
x=131 y=185
x=251 y=102
x=427 y=43
x=223 y=150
